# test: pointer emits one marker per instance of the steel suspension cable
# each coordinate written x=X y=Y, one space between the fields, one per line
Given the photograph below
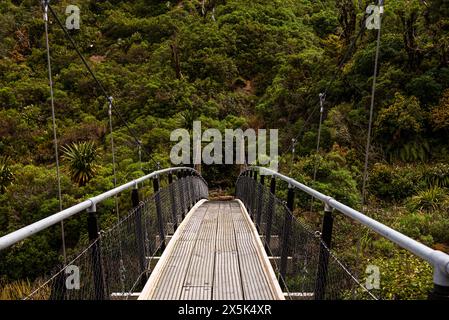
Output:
x=99 y=84
x=371 y=112
x=122 y=280
x=322 y=100
x=111 y=131
x=330 y=83
x=368 y=140
x=53 y=116
x=315 y=169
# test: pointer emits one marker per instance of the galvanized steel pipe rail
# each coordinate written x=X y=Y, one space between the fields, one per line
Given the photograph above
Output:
x=89 y=205
x=438 y=259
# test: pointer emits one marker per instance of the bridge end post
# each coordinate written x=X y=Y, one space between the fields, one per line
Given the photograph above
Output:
x=440 y=264
x=323 y=262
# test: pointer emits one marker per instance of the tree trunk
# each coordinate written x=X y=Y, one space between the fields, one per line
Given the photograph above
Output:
x=175 y=60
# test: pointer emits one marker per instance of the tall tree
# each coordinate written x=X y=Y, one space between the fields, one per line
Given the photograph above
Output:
x=347 y=18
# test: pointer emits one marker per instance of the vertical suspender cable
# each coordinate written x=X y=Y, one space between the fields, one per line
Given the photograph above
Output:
x=293 y=155
x=322 y=99
x=373 y=93
x=140 y=157
x=55 y=137
x=334 y=77
x=105 y=93
x=113 y=155
x=318 y=142
x=122 y=267
x=370 y=122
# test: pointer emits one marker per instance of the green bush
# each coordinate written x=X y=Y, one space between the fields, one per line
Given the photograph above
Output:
x=392 y=183
x=333 y=177
x=429 y=200
x=436 y=175
x=403 y=276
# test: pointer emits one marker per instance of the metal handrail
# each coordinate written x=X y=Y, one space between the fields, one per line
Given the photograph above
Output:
x=438 y=259
x=90 y=205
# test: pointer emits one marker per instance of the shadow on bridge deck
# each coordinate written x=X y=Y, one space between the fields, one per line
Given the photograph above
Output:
x=216 y=254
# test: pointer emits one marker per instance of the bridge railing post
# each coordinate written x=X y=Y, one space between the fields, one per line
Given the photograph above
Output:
x=97 y=266
x=249 y=176
x=140 y=242
x=323 y=262
x=172 y=191
x=254 y=196
x=270 y=213
x=185 y=176
x=190 y=189
x=248 y=192
x=157 y=199
x=288 y=218
x=181 y=194
x=439 y=293
x=242 y=189
x=261 y=200
x=196 y=187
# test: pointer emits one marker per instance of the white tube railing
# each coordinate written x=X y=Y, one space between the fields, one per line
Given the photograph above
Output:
x=90 y=205
x=438 y=259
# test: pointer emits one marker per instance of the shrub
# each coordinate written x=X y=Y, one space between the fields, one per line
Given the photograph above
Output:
x=392 y=183
x=432 y=199
x=416 y=226
x=436 y=175
x=403 y=276
x=333 y=177
x=82 y=159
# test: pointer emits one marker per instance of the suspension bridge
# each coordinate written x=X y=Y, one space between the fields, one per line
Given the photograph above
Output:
x=176 y=244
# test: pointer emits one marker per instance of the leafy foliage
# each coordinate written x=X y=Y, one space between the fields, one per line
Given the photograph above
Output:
x=401 y=124
x=333 y=177
x=404 y=276
x=432 y=199
x=6 y=175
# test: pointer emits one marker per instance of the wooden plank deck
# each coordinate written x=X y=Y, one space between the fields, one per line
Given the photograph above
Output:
x=216 y=254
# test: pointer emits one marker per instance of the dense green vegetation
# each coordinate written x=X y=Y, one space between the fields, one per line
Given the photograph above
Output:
x=250 y=64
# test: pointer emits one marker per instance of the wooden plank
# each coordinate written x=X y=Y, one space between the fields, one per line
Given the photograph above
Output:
x=201 y=266
x=255 y=284
x=258 y=277
x=225 y=232
x=173 y=275
x=217 y=254
x=172 y=257
x=196 y=293
x=227 y=281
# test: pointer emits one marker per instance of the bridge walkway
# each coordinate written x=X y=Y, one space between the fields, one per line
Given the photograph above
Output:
x=215 y=254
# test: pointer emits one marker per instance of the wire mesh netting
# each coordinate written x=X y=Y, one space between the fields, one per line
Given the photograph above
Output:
x=305 y=266
x=120 y=260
